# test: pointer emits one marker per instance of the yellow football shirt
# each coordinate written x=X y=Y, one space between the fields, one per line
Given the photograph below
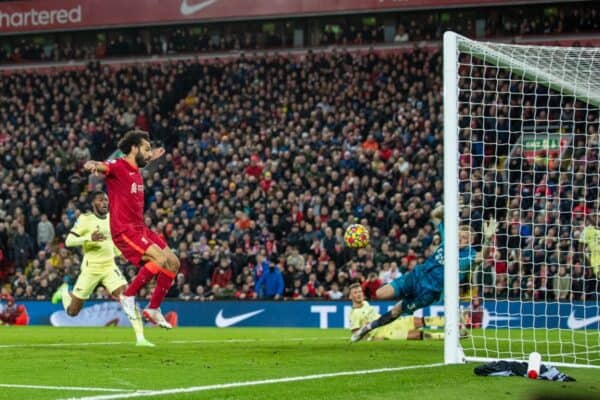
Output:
x=398 y=329
x=591 y=237
x=362 y=316
x=97 y=256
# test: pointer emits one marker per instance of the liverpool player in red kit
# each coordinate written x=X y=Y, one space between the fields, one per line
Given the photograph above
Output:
x=139 y=245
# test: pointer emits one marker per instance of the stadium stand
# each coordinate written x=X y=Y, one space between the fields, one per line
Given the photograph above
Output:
x=269 y=157
x=504 y=22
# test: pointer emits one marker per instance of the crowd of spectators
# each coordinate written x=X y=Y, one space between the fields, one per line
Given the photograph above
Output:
x=49 y=126
x=268 y=159
x=410 y=26
x=544 y=198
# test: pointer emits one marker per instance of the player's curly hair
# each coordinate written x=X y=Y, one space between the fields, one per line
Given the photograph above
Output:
x=132 y=138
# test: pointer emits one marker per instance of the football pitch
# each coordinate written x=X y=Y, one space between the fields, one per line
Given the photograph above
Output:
x=43 y=363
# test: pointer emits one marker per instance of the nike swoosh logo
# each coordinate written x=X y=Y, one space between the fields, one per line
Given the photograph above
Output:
x=223 y=322
x=187 y=9
x=575 y=323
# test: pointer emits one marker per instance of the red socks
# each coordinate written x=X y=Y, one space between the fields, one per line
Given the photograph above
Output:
x=164 y=280
x=144 y=276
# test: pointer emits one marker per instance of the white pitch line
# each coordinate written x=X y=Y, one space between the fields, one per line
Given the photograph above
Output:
x=11 y=346
x=163 y=392
x=198 y=341
x=75 y=388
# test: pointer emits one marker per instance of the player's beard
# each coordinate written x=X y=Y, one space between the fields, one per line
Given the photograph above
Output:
x=140 y=160
x=99 y=212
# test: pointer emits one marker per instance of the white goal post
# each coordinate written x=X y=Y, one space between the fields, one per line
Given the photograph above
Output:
x=521 y=146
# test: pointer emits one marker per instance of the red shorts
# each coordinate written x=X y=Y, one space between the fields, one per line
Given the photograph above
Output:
x=133 y=243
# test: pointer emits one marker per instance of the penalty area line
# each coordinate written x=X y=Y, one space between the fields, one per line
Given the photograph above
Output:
x=165 y=392
x=74 y=388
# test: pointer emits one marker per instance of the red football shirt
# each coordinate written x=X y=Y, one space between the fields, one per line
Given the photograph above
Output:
x=125 y=187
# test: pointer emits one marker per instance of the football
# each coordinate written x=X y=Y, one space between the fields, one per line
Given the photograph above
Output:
x=356 y=236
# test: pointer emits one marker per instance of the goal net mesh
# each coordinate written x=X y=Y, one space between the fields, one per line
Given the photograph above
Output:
x=528 y=144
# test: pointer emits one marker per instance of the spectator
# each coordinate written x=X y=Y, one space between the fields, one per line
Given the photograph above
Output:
x=334 y=293
x=200 y=294
x=82 y=153
x=22 y=247
x=401 y=35
x=45 y=232
x=13 y=314
x=245 y=293
x=222 y=275
x=562 y=284
x=44 y=292
x=370 y=286
x=186 y=293
x=474 y=314
x=295 y=259
x=270 y=283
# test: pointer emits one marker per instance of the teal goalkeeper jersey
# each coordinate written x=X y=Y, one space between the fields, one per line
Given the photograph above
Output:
x=432 y=270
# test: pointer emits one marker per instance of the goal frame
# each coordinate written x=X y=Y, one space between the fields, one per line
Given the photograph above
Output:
x=453 y=352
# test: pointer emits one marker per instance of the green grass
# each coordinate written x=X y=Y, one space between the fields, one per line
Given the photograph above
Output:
x=206 y=358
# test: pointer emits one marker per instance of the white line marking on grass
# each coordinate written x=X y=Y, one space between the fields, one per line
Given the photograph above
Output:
x=75 y=388
x=10 y=346
x=164 y=392
x=198 y=341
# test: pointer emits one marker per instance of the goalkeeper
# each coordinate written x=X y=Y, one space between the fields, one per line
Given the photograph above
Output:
x=405 y=328
x=424 y=285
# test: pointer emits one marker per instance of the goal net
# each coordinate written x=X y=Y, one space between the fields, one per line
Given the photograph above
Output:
x=522 y=148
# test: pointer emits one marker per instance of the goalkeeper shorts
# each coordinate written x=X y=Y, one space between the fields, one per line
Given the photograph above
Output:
x=413 y=294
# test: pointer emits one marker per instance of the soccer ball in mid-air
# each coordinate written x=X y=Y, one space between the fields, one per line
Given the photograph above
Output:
x=356 y=236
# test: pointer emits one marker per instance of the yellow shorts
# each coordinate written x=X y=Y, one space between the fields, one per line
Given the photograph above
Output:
x=111 y=278
x=397 y=330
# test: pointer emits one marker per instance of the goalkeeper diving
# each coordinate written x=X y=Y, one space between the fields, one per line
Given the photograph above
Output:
x=91 y=231
x=403 y=328
x=424 y=285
